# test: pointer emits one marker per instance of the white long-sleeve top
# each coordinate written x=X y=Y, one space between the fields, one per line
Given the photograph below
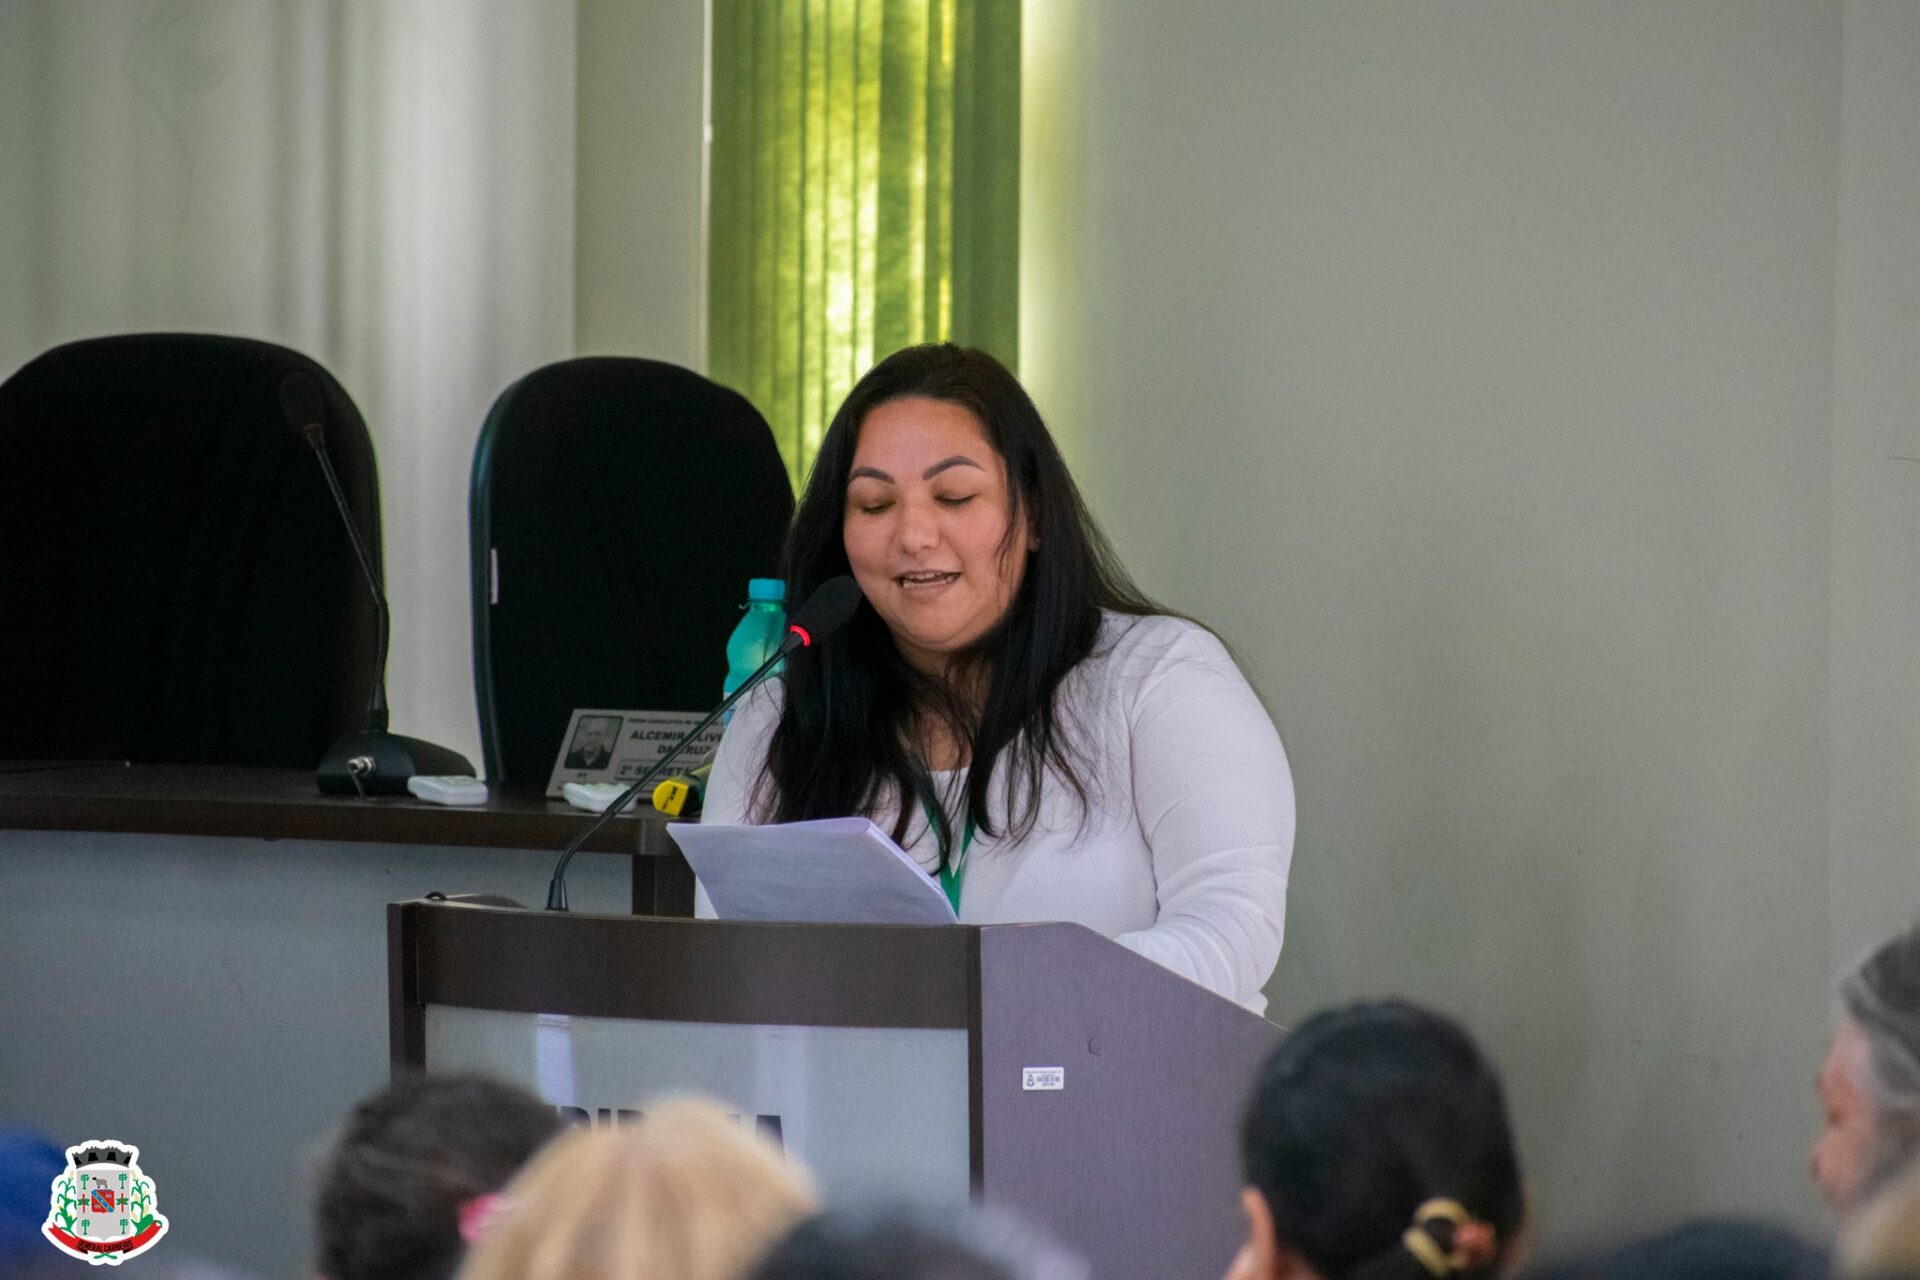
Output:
x=1184 y=849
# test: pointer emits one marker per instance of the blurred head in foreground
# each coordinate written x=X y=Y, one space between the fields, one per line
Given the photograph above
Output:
x=1376 y=1147
x=918 y=1243
x=686 y=1193
x=1869 y=1085
x=414 y=1168
x=29 y=1162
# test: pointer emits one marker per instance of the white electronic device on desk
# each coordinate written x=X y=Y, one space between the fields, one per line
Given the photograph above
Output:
x=594 y=797
x=448 y=788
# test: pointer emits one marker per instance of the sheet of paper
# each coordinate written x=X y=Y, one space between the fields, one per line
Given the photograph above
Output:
x=834 y=871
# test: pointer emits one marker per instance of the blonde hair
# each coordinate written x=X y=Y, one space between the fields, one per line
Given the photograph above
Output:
x=684 y=1193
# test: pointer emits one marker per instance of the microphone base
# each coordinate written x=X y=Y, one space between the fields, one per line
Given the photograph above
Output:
x=379 y=764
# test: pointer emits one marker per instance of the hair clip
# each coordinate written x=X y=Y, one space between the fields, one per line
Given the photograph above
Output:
x=477 y=1214
x=1472 y=1241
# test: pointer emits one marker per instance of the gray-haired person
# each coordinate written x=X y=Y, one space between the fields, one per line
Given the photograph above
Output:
x=1869 y=1085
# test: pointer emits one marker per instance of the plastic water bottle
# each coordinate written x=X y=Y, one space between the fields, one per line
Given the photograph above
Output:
x=758 y=634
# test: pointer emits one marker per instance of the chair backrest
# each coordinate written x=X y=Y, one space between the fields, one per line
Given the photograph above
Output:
x=619 y=507
x=177 y=586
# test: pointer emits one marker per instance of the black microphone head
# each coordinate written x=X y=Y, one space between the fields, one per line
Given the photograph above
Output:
x=827 y=610
x=301 y=401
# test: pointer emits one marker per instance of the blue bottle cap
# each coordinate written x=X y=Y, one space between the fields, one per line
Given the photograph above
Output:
x=773 y=589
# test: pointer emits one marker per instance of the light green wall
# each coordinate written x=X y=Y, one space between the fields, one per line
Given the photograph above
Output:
x=1472 y=368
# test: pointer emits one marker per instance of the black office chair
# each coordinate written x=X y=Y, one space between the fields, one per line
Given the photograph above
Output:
x=178 y=587
x=619 y=507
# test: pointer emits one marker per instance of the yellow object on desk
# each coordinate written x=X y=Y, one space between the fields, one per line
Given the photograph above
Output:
x=680 y=795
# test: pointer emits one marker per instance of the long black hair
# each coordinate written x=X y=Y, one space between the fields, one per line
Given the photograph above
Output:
x=1362 y=1116
x=908 y=1241
x=844 y=741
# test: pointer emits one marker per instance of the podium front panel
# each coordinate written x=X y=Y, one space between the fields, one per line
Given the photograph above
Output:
x=1048 y=1068
x=874 y=1111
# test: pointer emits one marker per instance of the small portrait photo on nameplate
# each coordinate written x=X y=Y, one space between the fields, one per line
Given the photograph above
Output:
x=618 y=746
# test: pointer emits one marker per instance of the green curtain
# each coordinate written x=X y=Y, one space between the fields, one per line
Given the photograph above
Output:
x=865 y=194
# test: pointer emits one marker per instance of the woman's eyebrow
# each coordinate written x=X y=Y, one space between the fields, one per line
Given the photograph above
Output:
x=875 y=473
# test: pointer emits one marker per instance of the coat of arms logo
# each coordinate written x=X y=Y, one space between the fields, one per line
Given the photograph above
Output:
x=103 y=1208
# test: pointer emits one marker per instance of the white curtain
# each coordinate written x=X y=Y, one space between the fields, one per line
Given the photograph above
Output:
x=386 y=185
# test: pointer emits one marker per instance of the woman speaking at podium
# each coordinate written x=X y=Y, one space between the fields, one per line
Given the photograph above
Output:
x=1038 y=735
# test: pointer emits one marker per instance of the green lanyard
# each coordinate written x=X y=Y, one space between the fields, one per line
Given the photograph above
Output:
x=954 y=870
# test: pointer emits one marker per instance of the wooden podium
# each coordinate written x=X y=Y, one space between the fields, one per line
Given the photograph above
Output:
x=1040 y=1067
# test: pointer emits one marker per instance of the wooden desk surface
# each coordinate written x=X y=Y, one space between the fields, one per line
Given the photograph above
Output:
x=285 y=804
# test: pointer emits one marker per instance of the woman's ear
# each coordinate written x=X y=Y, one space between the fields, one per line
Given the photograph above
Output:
x=1264 y=1256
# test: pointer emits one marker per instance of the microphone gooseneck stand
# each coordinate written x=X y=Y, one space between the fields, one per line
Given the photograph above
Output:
x=371 y=761
x=825 y=612
x=557 y=888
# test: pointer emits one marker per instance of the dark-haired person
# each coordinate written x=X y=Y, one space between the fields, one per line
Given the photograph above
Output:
x=902 y=1242
x=414 y=1175
x=1024 y=722
x=1376 y=1147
